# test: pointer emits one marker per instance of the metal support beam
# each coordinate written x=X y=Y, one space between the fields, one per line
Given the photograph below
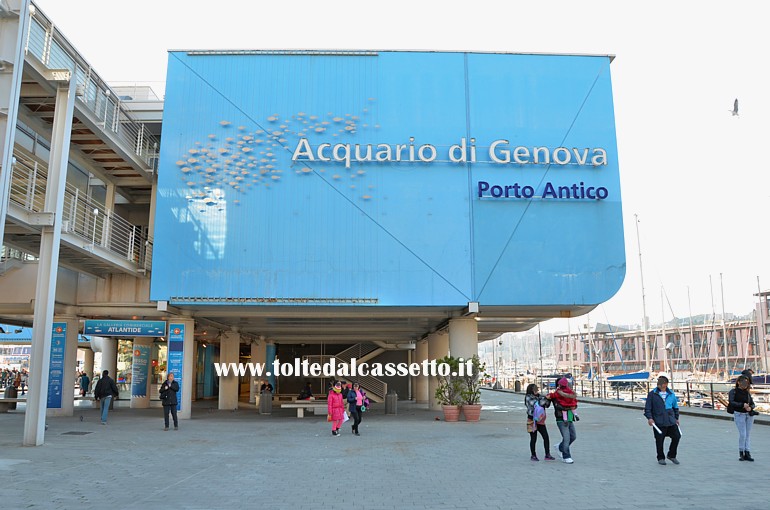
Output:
x=45 y=291
x=13 y=34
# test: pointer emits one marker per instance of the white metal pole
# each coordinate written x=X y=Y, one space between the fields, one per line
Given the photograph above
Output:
x=761 y=332
x=724 y=329
x=647 y=361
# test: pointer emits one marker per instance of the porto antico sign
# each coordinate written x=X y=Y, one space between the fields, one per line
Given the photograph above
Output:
x=498 y=153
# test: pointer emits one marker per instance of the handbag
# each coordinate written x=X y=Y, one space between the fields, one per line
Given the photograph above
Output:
x=345 y=416
x=531 y=425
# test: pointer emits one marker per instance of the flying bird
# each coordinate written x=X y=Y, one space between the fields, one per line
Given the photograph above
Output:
x=734 y=111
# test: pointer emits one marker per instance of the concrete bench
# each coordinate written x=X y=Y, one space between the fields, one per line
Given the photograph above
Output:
x=310 y=405
x=5 y=403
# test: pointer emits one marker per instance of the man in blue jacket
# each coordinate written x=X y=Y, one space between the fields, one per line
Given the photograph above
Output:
x=662 y=412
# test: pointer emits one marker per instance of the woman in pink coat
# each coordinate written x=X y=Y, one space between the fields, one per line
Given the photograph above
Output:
x=336 y=408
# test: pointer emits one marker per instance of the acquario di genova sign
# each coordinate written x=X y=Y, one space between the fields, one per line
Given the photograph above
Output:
x=499 y=152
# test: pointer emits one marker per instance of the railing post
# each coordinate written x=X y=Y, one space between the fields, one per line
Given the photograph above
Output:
x=687 y=386
x=131 y=239
x=139 y=140
x=47 y=44
x=632 y=394
x=711 y=385
x=116 y=117
x=30 y=199
x=617 y=392
x=74 y=214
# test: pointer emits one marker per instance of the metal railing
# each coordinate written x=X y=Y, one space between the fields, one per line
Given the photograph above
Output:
x=376 y=388
x=11 y=258
x=706 y=395
x=81 y=215
x=357 y=351
x=51 y=48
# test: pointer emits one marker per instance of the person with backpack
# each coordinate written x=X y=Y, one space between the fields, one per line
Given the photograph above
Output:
x=104 y=392
x=662 y=412
x=741 y=406
x=355 y=400
x=536 y=415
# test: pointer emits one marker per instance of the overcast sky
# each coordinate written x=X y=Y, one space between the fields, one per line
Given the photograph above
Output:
x=696 y=176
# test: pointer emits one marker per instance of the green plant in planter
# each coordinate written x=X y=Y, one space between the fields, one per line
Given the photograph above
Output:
x=450 y=387
x=472 y=382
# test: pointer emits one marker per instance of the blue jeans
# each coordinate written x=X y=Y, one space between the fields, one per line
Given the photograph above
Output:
x=105 y=401
x=744 y=422
x=568 y=436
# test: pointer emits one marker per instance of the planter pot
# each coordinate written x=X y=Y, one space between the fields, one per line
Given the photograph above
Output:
x=472 y=412
x=451 y=413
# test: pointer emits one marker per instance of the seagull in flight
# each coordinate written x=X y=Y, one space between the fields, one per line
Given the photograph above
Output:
x=734 y=111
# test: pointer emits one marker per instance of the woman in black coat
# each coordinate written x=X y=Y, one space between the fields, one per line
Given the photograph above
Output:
x=742 y=406
x=168 y=391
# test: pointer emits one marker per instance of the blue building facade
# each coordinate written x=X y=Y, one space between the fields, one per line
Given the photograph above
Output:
x=388 y=179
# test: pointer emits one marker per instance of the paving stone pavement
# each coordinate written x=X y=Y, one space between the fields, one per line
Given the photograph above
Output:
x=225 y=459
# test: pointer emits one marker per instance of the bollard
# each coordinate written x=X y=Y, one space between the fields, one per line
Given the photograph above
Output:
x=391 y=402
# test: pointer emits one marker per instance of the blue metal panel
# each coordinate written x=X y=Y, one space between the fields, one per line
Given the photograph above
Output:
x=238 y=218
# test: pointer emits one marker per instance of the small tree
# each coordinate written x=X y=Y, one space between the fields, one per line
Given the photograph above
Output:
x=450 y=387
x=471 y=382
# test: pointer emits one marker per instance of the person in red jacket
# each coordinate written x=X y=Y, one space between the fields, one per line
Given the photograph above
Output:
x=565 y=402
x=336 y=408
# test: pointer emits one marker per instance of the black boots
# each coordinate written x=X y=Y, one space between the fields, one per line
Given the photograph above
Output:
x=747 y=456
x=743 y=456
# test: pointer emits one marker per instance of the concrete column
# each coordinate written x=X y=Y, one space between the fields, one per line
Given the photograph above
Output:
x=140 y=370
x=463 y=338
x=48 y=266
x=188 y=368
x=269 y=359
x=421 y=381
x=68 y=377
x=229 y=352
x=258 y=355
x=88 y=364
x=109 y=356
x=109 y=206
x=438 y=347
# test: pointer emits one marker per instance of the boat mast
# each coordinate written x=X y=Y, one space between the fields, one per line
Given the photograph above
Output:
x=692 y=338
x=724 y=329
x=647 y=365
x=713 y=320
x=762 y=334
x=663 y=337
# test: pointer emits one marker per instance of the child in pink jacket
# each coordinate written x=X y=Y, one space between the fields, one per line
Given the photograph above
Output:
x=336 y=408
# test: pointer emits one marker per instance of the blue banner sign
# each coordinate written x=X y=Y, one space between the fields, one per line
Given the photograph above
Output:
x=140 y=370
x=56 y=366
x=125 y=328
x=176 y=356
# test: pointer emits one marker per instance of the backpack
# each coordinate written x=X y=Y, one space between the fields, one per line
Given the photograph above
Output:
x=538 y=413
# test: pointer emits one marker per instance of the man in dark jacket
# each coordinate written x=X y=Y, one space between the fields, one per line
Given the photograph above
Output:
x=104 y=391
x=662 y=412
x=168 y=392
